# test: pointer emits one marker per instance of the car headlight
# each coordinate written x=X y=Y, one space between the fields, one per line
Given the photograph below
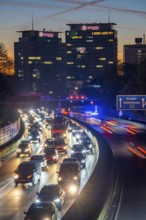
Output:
x=18 y=150
x=30 y=137
x=64 y=147
x=73 y=189
x=83 y=161
x=90 y=145
x=59 y=178
x=75 y=178
x=16 y=176
x=37 y=200
x=83 y=151
x=57 y=200
x=38 y=136
x=72 y=151
x=78 y=136
x=54 y=157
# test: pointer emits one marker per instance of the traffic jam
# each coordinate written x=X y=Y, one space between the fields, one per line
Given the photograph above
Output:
x=60 y=141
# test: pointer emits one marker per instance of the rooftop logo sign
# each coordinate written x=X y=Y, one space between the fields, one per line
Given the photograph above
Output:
x=46 y=34
x=92 y=28
x=131 y=102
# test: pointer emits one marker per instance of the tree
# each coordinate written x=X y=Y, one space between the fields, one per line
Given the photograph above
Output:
x=6 y=64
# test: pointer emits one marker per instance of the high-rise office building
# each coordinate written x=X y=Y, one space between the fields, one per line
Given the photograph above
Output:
x=135 y=53
x=40 y=62
x=91 y=52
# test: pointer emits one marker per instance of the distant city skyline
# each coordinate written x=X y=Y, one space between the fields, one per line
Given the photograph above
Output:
x=16 y=15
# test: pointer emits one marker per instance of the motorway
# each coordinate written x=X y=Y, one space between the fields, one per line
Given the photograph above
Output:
x=14 y=201
x=128 y=142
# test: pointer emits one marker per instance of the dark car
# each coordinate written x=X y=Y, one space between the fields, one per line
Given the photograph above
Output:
x=69 y=172
x=79 y=148
x=53 y=193
x=24 y=149
x=28 y=172
x=34 y=136
x=80 y=135
x=42 y=211
x=49 y=142
x=40 y=159
x=69 y=177
x=80 y=157
x=87 y=144
x=60 y=145
x=51 y=154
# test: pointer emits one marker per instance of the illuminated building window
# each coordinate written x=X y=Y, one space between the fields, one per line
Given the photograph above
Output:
x=80 y=66
x=81 y=49
x=34 y=75
x=19 y=54
x=69 y=63
x=29 y=62
x=90 y=77
x=96 y=33
x=76 y=88
x=76 y=37
x=110 y=40
x=110 y=62
x=98 y=48
x=22 y=58
x=89 y=40
x=69 y=52
x=48 y=62
x=69 y=45
x=102 y=58
x=58 y=58
x=99 y=66
x=69 y=77
x=34 y=58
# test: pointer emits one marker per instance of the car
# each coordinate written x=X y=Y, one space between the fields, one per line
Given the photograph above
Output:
x=79 y=135
x=51 y=154
x=34 y=136
x=69 y=172
x=42 y=210
x=49 y=142
x=69 y=178
x=52 y=193
x=87 y=144
x=24 y=149
x=28 y=172
x=40 y=159
x=60 y=145
x=79 y=148
x=80 y=157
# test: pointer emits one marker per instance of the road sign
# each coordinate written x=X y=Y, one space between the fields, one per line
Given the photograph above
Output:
x=131 y=102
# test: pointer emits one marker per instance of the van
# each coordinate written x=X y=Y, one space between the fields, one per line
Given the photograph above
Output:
x=28 y=172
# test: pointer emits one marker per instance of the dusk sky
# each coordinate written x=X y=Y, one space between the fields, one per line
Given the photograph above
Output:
x=16 y=15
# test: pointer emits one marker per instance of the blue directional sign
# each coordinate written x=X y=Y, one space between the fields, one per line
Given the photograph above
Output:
x=131 y=102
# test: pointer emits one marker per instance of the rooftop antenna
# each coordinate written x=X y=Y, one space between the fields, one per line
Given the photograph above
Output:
x=109 y=15
x=32 y=22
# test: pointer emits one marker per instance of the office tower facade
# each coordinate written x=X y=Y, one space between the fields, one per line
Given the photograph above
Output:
x=91 y=53
x=135 y=53
x=40 y=62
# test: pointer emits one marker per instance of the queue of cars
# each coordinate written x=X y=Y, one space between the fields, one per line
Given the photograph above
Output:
x=69 y=174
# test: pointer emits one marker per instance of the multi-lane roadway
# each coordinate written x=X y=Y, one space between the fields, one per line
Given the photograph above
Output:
x=15 y=200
